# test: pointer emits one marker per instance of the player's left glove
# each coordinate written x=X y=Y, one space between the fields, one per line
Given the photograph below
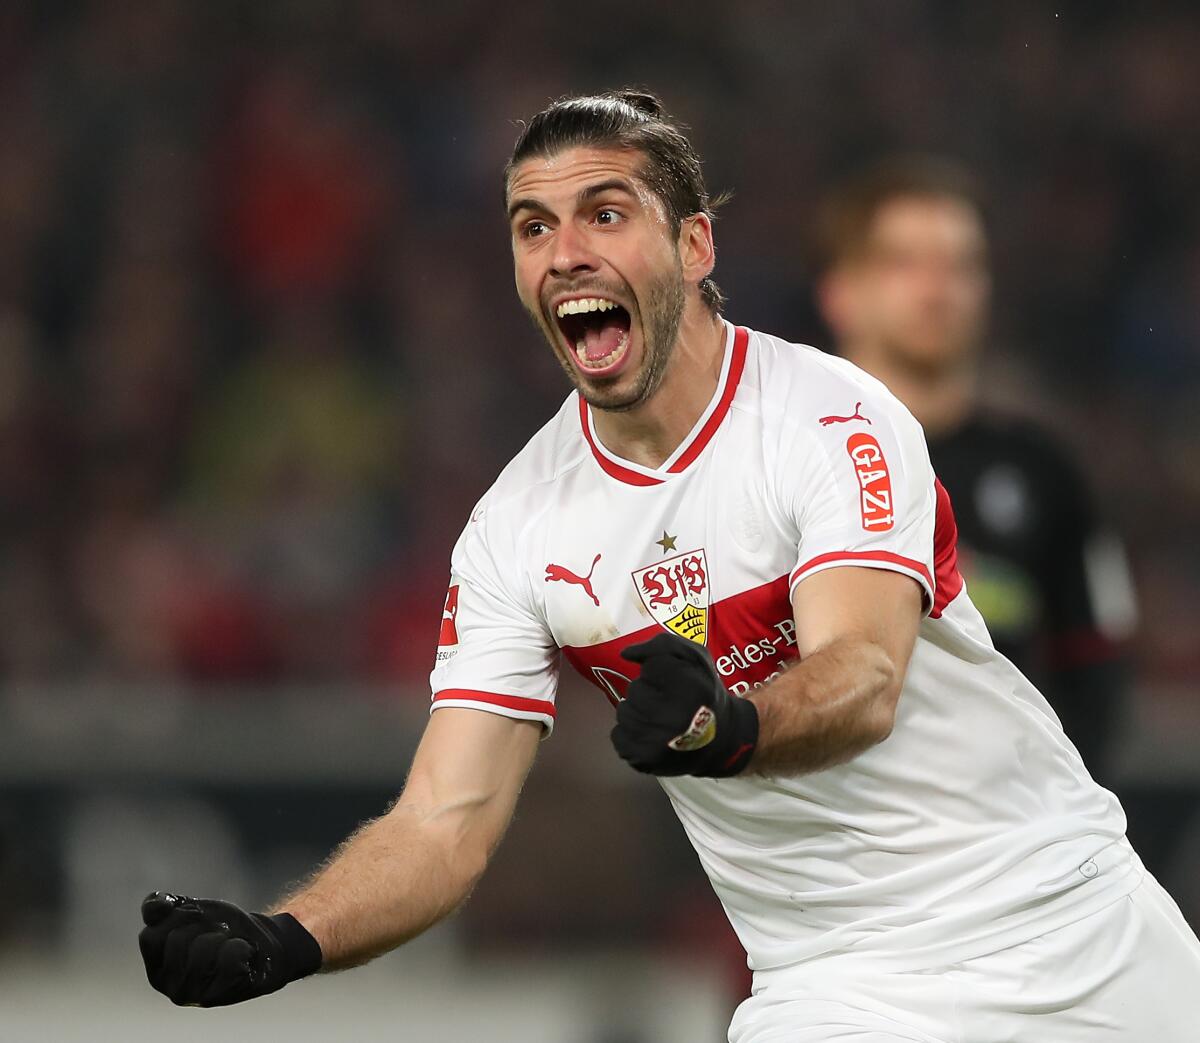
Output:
x=677 y=718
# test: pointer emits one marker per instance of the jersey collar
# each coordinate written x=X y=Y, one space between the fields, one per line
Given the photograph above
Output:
x=736 y=340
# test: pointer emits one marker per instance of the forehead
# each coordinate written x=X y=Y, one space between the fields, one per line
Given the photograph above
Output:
x=560 y=176
x=935 y=220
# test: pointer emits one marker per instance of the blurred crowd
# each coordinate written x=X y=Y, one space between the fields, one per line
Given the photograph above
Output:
x=259 y=347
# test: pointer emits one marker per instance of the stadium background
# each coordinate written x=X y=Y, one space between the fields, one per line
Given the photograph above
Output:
x=260 y=353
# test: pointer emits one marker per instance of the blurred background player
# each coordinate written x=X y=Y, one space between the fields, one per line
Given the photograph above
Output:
x=905 y=287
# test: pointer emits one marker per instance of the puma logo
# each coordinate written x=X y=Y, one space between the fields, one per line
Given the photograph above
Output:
x=557 y=572
x=825 y=421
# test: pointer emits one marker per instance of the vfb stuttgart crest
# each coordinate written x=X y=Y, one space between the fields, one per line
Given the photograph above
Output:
x=676 y=593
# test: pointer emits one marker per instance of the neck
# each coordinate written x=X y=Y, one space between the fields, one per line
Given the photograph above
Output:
x=650 y=432
x=940 y=397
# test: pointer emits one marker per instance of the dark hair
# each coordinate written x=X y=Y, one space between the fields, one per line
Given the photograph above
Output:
x=630 y=119
x=845 y=217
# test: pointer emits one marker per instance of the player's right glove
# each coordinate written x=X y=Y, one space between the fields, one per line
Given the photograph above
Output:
x=204 y=953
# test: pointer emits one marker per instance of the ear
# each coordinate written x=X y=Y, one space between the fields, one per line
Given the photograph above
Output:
x=697 y=253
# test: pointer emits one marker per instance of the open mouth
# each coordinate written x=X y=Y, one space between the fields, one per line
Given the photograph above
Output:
x=596 y=329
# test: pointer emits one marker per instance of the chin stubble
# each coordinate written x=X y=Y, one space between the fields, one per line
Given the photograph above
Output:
x=661 y=316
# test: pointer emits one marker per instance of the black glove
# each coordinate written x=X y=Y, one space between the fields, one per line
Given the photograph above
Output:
x=204 y=953
x=677 y=718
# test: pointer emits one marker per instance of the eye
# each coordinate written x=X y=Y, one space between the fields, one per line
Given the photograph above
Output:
x=607 y=216
x=532 y=229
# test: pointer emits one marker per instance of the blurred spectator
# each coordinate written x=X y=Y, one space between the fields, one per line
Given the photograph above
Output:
x=301 y=190
x=293 y=477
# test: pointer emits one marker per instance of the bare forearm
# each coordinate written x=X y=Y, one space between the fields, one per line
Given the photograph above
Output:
x=826 y=709
x=405 y=871
x=392 y=879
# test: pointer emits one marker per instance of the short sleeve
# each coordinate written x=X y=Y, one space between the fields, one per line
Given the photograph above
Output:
x=862 y=494
x=495 y=652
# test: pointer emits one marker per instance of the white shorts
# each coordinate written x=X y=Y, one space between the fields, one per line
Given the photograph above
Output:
x=1129 y=973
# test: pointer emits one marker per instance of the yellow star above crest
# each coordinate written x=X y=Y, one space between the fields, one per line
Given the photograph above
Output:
x=667 y=542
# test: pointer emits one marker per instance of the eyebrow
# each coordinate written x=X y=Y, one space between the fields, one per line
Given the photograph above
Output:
x=616 y=184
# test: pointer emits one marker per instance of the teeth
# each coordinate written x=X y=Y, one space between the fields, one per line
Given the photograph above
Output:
x=584 y=304
x=608 y=360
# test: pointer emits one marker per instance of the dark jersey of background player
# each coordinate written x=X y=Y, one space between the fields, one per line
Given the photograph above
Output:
x=905 y=286
x=1050 y=582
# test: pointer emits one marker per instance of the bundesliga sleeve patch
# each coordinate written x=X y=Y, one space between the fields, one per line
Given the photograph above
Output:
x=874 y=482
x=448 y=637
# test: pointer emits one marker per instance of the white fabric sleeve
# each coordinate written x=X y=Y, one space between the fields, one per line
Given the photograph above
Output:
x=495 y=651
x=863 y=494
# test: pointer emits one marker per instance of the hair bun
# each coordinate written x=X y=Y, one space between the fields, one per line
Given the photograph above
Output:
x=642 y=100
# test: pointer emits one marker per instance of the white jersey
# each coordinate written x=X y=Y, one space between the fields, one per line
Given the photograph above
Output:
x=974 y=825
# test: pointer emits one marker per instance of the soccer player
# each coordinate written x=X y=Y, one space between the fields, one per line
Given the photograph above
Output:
x=741 y=543
x=905 y=289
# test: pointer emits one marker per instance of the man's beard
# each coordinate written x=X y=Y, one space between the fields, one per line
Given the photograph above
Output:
x=661 y=314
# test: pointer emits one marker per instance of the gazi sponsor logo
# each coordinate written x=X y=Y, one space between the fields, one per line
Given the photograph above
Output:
x=874 y=482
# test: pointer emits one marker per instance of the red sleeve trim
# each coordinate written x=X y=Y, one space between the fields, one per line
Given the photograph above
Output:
x=852 y=556
x=509 y=702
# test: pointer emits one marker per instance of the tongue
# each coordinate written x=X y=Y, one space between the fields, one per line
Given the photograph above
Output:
x=602 y=340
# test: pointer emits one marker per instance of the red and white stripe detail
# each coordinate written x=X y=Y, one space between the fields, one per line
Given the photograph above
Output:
x=872 y=559
x=517 y=706
x=941 y=586
x=701 y=434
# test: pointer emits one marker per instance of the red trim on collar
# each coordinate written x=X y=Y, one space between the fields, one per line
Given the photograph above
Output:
x=741 y=339
x=611 y=467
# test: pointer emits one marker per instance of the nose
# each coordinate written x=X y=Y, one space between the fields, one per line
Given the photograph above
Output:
x=572 y=255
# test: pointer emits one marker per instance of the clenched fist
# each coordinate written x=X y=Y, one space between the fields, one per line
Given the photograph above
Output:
x=204 y=953
x=677 y=717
